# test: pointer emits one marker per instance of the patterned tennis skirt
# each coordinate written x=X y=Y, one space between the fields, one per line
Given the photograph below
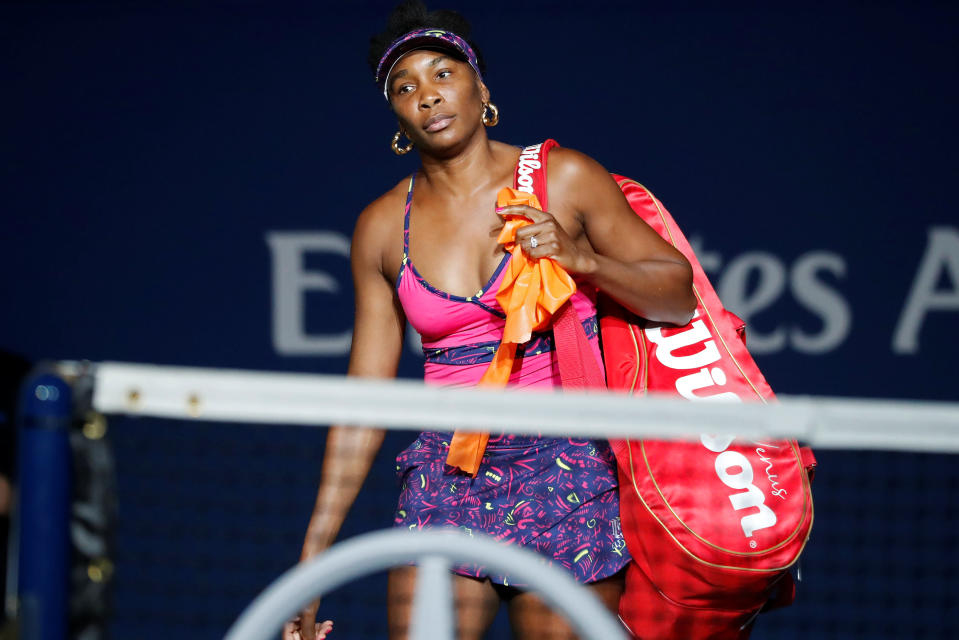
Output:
x=554 y=496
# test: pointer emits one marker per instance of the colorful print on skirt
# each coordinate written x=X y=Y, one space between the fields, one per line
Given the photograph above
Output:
x=555 y=496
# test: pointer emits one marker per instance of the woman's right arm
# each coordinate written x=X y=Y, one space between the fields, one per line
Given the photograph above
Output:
x=377 y=345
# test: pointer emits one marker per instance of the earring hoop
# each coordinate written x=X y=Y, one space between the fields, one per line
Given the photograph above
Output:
x=490 y=114
x=397 y=149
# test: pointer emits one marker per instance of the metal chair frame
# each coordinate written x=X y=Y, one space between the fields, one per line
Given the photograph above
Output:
x=434 y=552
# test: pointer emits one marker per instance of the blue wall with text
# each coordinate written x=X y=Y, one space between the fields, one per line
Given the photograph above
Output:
x=180 y=180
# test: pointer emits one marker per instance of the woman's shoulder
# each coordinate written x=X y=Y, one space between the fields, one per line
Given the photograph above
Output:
x=569 y=164
x=579 y=181
x=385 y=212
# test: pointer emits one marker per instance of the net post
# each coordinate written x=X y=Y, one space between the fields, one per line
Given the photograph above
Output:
x=44 y=472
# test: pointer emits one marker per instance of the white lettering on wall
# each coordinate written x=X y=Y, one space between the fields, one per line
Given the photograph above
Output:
x=941 y=257
x=823 y=301
x=291 y=281
x=771 y=283
x=756 y=280
x=749 y=284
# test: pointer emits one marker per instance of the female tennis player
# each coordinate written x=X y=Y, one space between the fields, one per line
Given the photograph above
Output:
x=426 y=253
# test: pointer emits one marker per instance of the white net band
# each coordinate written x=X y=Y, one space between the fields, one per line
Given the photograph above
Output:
x=319 y=400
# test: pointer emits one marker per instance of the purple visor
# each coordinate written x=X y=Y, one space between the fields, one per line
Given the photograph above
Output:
x=423 y=39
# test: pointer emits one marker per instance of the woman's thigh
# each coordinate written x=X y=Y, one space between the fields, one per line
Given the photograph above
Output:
x=476 y=603
x=532 y=619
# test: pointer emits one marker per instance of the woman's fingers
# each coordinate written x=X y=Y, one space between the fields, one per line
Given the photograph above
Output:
x=523 y=210
x=291 y=630
x=323 y=628
x=546 y=238
x=542 y=239
x=539 y=247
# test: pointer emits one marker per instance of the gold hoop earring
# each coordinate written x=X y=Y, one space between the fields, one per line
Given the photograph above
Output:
x=490 y=114
x=397 y=149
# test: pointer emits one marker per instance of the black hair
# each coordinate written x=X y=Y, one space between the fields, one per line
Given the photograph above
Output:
x=412 y=14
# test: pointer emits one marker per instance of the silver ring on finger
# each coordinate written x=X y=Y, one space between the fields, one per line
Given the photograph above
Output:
x=533 y=242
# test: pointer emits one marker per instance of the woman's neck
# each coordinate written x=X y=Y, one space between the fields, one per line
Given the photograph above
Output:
x=467 y=172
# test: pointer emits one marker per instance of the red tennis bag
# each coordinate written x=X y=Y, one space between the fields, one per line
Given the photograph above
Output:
x=713 y=525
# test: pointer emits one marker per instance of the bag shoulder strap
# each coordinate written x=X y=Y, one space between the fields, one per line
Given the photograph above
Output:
x=578 y=368
x=530 y=172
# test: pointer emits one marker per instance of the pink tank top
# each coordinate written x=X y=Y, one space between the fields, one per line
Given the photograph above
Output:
x=461 y=334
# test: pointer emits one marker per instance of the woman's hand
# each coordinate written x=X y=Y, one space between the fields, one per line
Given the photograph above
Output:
x=545 y=238
x=298 y=628
x=616 y=252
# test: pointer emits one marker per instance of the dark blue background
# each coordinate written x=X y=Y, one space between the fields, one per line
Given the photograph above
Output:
x=149 y=147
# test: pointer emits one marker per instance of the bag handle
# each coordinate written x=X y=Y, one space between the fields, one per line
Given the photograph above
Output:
x=578 y=368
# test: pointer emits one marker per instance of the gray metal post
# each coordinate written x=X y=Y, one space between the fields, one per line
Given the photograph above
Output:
x=433 y=617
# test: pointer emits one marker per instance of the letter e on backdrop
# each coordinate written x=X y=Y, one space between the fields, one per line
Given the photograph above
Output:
x=291 y=282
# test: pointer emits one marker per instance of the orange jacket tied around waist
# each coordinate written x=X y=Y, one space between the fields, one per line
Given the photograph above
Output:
x=532 y=290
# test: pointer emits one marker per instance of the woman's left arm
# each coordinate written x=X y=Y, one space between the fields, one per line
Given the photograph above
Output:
x=620 y=254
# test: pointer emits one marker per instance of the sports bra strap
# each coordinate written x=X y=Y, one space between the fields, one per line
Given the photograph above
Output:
x=406 y=221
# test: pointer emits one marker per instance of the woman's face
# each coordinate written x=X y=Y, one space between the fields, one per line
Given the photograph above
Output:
x=437 y=99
